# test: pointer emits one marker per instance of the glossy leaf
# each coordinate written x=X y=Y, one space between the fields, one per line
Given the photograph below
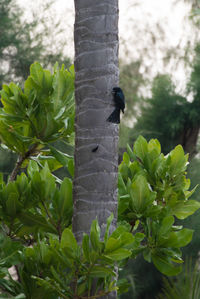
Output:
x=183 y=209
x=141 y=195
x=178 y=239
x=118 y=254
x=68 y=240
x=165 y=265
x=140 y=147
x=86 y=246
x=99 y=271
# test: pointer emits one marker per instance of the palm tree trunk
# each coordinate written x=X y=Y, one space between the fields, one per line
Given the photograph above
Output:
x=96 y=141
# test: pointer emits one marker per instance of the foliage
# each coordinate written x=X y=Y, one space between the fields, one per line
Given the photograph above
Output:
x=192 y=249
x=169 y=116
x=153 y=190
x=36 y=207
x=186 y=285
x=22 y=42
x=56 y=265
x=33 y=203
x=163 y=115
x=31 y=119
x=194 y=84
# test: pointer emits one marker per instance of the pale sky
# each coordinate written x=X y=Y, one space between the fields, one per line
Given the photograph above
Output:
x=136 y=21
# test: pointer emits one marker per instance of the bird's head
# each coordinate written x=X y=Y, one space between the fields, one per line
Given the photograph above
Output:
x=116 y=89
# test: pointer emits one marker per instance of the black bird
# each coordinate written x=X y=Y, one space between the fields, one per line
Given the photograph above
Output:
x=119 y=100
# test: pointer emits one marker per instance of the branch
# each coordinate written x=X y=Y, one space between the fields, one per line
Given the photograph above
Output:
x=20 y=161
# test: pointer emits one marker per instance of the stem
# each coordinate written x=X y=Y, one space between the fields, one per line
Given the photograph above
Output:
x=20 y=161
x=51 y=219
x=59 y=230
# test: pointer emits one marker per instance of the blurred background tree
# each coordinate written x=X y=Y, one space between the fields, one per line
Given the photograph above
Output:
x=22 y=43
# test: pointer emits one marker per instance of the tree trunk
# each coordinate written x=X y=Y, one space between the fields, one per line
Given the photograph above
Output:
x=189 y=139
x=96 y=140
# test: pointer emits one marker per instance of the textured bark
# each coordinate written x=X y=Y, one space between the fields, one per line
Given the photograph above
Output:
x=189 y=139
x=96 y=140
x=96 y=69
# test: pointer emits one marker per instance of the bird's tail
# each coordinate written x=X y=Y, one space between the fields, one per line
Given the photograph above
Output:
x=115 y=116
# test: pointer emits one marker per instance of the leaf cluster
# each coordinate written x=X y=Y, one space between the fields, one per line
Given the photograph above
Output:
x=58 y=267
x=153 y=192
x=34 y=204
x=42 y=113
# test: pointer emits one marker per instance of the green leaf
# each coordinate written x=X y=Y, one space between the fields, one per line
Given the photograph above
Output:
x=53 y=163
x=95 y=235
x=48 y=182
x=36 y=72
x=22 y=183
x=65 y=202
x=20 y=296
x=109 y=220
x=59 y=86
x=68 y=240
x=141 y=147
x=32 y=168
x=112 y=244
x=99 y=271
x=38 y=221
x=127 y=239
x=165 y=265
x=121 y=184
x=189 y=193
x=44 y=253
x=178 y=239
x=10 y=251
x=61 y=157
x=120 y=230
x=147 y=254
x=166 y=225
x=86 y=247
x=183 y=209
x=141 y=195
x=126 y=158
x=154 y=145
x=118 y=254
x=178 y=160
x=130 y=152
x=82 y=288
x=12 y=204
x=123 y=286
x=57 y=277
x=70 y=167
